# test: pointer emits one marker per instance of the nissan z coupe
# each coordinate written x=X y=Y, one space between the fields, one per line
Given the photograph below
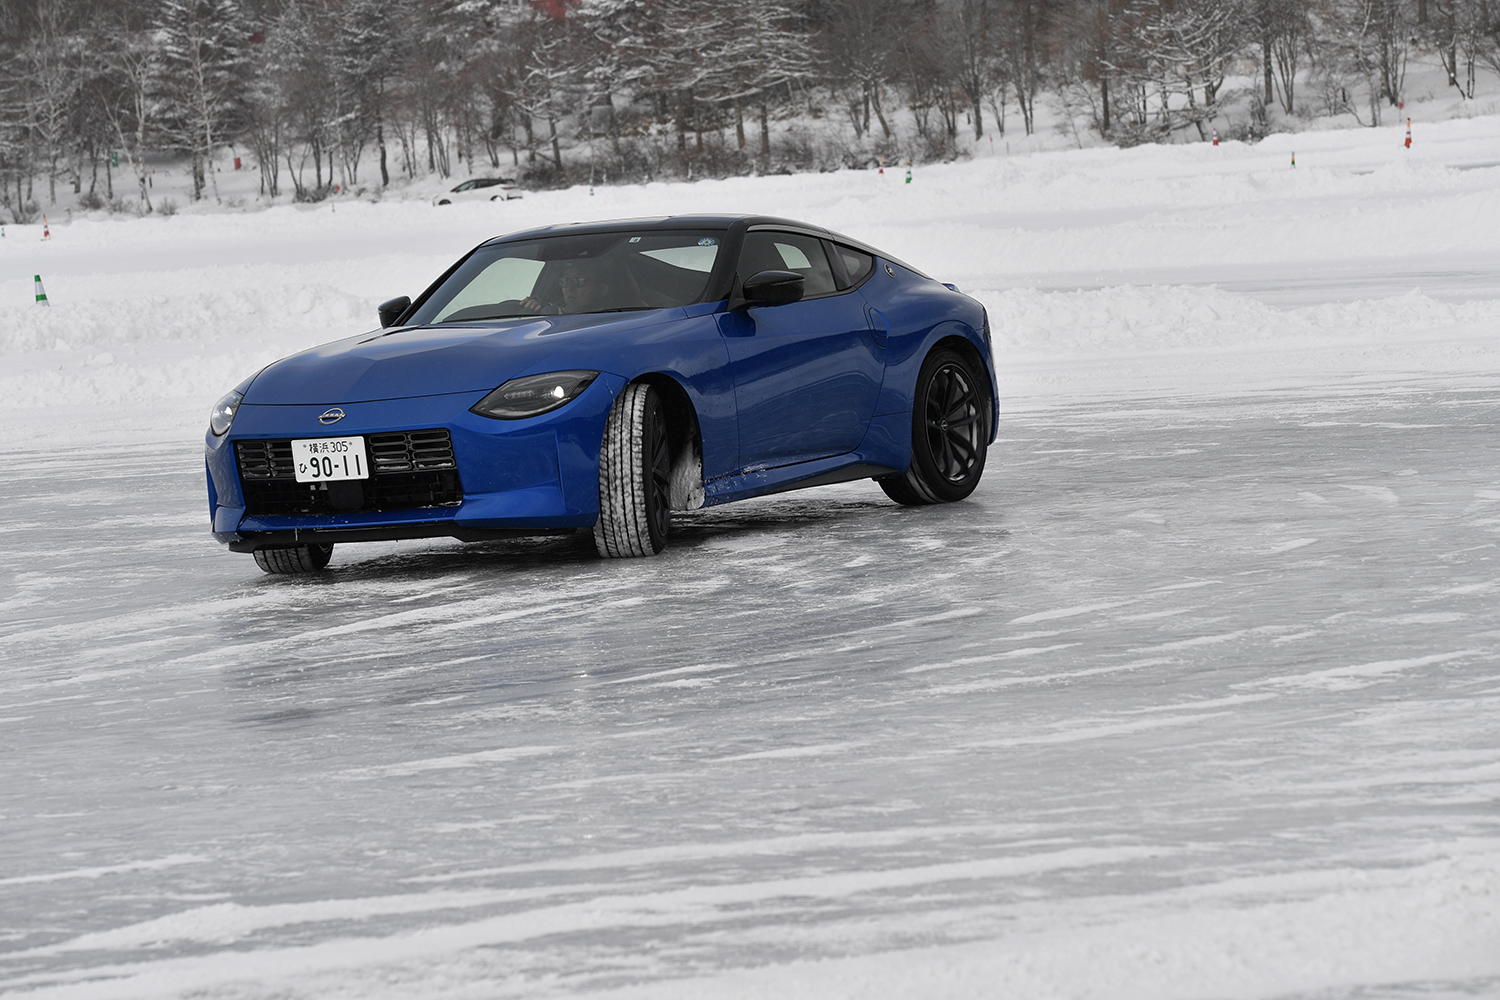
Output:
x=602 y=376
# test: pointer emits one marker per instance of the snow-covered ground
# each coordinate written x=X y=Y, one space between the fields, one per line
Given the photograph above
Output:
x=1197 y=697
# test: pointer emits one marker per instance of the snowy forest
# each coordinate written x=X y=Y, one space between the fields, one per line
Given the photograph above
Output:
x=324 y=95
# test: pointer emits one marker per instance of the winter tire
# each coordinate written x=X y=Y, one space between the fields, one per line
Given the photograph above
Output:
x=635 y=477
x=293 y=559
x=950 y=432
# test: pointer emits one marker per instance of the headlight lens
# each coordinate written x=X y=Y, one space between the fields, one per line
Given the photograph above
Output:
x=223 y=415
x=533 y=395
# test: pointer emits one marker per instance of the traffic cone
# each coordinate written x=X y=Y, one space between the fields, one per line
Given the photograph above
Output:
x=46 y=230
x=41 y=293
x=1216 y=137
x=1408 y=133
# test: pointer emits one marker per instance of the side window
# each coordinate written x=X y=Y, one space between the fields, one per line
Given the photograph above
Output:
x=770 y=251
x=857 y=264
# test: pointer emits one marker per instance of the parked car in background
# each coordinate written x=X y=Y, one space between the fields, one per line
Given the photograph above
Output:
x=480 y=189
x=599 y=377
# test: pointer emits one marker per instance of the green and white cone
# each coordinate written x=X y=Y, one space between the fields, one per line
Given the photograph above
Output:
x=41 y=293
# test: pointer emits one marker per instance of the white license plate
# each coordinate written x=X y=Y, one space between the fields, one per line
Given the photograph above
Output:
x=329 y=460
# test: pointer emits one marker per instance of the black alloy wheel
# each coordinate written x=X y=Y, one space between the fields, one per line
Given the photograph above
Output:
x=950 y=432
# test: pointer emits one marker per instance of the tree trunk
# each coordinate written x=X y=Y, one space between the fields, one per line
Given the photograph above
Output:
x=1265 y=61
x=385 y=176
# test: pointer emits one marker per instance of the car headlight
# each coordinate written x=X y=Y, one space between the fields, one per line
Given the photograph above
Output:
x=533 y=395
x=223 y=415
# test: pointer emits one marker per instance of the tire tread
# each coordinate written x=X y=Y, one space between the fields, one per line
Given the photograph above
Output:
x=623 y=529
x=293 y=560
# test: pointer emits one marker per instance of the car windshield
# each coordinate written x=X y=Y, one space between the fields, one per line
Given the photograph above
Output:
x=588 y=273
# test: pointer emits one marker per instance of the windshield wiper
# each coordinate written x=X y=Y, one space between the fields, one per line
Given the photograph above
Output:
x=475 y=319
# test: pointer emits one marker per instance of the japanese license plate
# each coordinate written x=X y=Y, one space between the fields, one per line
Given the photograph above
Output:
x=324 y=460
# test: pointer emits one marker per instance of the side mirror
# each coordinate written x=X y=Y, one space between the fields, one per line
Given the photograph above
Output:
x=392 y=310
x=772 y=288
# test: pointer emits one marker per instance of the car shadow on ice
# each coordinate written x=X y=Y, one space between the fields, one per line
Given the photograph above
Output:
x=801 y=526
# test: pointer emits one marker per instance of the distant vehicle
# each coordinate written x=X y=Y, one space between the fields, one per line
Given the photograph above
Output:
x=481 y=189
x=599 y=377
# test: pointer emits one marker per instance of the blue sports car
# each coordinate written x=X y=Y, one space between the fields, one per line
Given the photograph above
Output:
x=602 y=376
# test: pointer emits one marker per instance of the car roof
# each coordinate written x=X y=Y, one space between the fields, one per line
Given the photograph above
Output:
x=676 y=222
x=665 y=222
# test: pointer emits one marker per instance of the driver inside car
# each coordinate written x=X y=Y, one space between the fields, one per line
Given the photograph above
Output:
x=586 y=287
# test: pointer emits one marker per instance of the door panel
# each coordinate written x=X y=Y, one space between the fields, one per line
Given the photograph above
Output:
x=806 y=376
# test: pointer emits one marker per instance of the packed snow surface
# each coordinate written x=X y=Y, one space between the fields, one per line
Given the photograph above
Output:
x=1198 y=696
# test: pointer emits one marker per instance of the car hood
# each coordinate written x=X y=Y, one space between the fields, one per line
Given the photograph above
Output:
x=431 y=360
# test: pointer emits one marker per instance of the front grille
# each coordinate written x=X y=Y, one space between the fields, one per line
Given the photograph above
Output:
x=411 y=470
x=265 y=459
x=410 y=451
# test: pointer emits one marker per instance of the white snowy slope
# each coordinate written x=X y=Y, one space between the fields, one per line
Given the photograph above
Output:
x=1181 y=248
x=1198 y=697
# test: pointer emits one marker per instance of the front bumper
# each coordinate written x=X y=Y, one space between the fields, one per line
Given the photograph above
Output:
x=527 y=476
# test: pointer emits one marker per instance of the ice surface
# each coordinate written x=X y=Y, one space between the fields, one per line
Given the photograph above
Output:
x=1197 y=697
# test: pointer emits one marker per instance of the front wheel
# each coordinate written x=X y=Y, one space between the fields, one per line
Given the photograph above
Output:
x=950 y=432
x=635 y=477
x=293 y=559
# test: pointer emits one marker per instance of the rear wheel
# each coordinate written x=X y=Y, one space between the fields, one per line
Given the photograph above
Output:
x=294 y=559
x=950 y=432
x=635 y=477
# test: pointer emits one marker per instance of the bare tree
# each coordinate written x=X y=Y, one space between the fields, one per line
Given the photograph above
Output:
x=202 y=53
x=1023 y=26
x=970 y=32
x=1456 y=29
x=50 y=85
x=857 y=48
